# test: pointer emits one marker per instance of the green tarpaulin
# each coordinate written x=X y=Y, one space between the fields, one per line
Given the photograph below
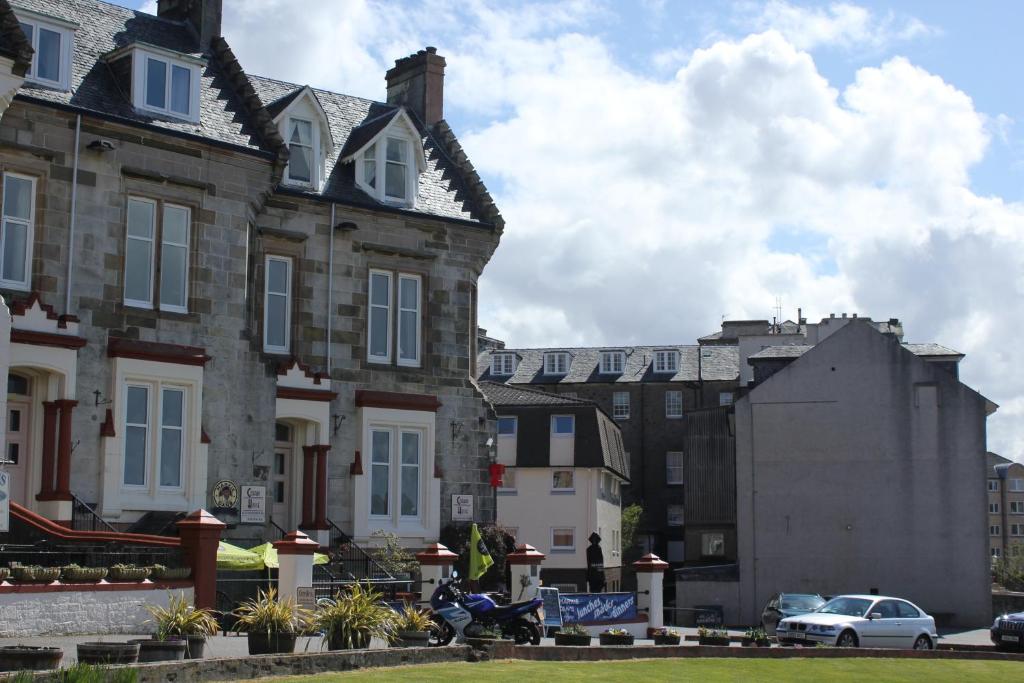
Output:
x=268 y=555
x=235 y=559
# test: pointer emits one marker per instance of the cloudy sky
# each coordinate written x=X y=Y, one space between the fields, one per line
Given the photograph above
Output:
x=664 y=165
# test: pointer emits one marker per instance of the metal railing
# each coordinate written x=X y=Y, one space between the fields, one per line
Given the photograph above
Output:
x=84 y=517
x=275 y=530
x=350 y=562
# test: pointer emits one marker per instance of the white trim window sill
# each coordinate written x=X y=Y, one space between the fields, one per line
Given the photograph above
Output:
x=563 y=492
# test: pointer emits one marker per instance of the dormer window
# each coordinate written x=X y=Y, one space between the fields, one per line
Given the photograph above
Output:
x=503 y=364
x=303 y=124
x=164 y=83
x=612 y=362
x=52 y=41
x=168 y=87
x=556 y=363
x=386 y=170
x=388 y=155
x=666 y=361
x=300 y=150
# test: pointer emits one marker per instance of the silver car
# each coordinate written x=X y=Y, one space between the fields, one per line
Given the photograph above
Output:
x=862 y=621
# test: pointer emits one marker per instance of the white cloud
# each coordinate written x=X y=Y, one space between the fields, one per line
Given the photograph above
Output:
x=640 y=207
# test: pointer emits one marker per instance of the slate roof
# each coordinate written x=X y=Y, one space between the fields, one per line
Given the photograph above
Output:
x=797 y=350
x=499 y=394
x=230 y=113
x=931 y=350
x=717 y=363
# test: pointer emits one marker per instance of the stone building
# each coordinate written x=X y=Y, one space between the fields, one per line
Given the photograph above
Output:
x=1005 y=486
x=222 y=281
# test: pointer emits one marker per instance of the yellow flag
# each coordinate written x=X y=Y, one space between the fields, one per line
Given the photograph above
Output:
x=479 y=556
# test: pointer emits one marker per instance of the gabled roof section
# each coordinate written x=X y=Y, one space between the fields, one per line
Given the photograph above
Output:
x=367 y=133
x=280 y=107
x=499 y=394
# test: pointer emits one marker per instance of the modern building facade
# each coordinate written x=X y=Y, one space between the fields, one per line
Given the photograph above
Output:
x=1005 y=487
x=564 y=471
x=229 y=290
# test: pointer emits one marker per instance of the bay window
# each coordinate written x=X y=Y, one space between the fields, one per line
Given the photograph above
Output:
x=398 y=310
x=387 y=170
x=153 y=226
x=396 y=472
x=277 y=304
x=18 y=230
x=154 y=441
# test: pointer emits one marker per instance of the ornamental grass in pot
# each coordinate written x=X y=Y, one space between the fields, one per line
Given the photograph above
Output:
x=572 y=635
x=271 y=624
x=180 y=620
x=357 y=615
x=616 y=636
x=413 y=627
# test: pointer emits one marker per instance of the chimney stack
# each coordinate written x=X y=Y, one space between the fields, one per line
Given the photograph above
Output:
x=204 y=15
x=417 y=82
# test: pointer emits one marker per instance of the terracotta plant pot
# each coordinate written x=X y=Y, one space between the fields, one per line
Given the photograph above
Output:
x=572 y=639
x=108 y=653
x=161 y=650
x=271 y=643
x=412 y=639
x=23 y=657
x=611 y=639
x=666 y=640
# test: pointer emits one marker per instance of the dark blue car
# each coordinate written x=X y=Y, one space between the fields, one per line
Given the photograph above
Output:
x=1008 y=631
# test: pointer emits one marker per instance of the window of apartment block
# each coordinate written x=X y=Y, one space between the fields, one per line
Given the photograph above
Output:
x=620 y=405
x=562 y=480
x=19 y=210
x=993 y=508
x=1017 y=484
x=675 y=515
x=674 y=467
x=1017 y=529
x=556 y=363
x=994 y=530
x=725 y=398
x=712 y=544
x=993 y=485
x=1016 y=507
x=277 y=304
x=673 y=404
x=396 y=472
x=52 y=43
x=503 y=364
x=403 y=314
x=154 y=435
x=612 y=362
x=996 y=552
x=154 y=227
x=666 y=361
x=563 y=538
x=563 y=425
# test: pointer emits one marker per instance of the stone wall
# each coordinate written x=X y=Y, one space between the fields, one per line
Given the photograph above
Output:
x=45 y=612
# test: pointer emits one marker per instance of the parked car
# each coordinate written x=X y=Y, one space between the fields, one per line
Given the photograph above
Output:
x=1008 y=631
x=862 y=621
x=782 y=605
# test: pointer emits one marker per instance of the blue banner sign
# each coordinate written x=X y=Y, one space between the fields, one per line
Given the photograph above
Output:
x=585 y=608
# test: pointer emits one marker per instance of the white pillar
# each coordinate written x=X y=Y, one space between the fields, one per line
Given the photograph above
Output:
x=524 y=564
x=650 y=572
x=435 y=564
x=295 y=564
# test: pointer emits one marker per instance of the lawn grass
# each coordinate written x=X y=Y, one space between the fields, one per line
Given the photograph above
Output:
x=703 y=670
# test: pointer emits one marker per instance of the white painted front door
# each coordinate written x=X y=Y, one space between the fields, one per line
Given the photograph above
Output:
x=17 y=454
x=280 y=479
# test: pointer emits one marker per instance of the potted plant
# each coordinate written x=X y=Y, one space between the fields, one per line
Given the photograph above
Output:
x=615 y=636
x=271 y=624
x=4 y=573
x=573 y=635
x=108 y=653
x=356 y=616
x=72 y=573
x=413 y=627
x=33 y=573
x=159 y=571
x=756 y=637
x=666 y=636
x=712 y=636
x=182 y=620
x=22 y=657
x=128 y=572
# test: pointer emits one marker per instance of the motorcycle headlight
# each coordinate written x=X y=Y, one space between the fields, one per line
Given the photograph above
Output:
x=540 y=613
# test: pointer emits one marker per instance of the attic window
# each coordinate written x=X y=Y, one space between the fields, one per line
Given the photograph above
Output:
x=503 y=364
x=165 y=83
x=52 y=41
x=612 y=362
x=556 y=363
x=388 y=164
x=666 y=361
x=300 y=150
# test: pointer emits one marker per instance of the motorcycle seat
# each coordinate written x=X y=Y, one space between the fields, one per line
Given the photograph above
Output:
x=514 y=607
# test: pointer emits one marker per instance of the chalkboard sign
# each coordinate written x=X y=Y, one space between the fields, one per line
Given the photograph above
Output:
x=709 y=615
x=552 y=607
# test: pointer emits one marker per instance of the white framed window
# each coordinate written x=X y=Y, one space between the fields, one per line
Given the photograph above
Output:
x=673 y=404
x=1016 y=485
x=725 y=398
x=139 y=252
x=503 y=364
x=175 y=231
x=409 y=483
x=1016 y=507
x=52 y=44
x=396 y=472
x=563 y=425
x=666 y=361
x=556 y=363
x=620 y=405
x=507 y=426
x=396 y=169
x=277 y=304
x=18 y=231
x=380 y=472
x=995 y=530
x=996 y=552
x=409 y=320
x=148 y=224
x=563 y=538
x=388 y=169
x=563 y=480
x=166 y=83
x=379 y=328
x=1017 y=529
x=612 y=362
x=993 y=485
x=674 y=467
x=993 y=508
x=154 y=442
x=302 y=147
x=675 y=515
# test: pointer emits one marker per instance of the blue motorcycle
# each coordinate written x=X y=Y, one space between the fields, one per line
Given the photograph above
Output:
x=458 y=615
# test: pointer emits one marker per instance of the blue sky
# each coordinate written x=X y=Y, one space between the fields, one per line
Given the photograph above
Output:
x=661 y=165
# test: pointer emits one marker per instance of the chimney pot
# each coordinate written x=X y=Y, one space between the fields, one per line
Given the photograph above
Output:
x=831 y=315
x=417 y=82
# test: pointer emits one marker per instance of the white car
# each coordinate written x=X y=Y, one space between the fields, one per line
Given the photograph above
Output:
x=862 y=621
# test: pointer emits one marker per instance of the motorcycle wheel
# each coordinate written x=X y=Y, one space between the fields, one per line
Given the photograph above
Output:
x=525 y=632
x=441 y=634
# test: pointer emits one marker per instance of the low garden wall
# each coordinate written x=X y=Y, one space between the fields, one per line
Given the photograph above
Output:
x=81 y=609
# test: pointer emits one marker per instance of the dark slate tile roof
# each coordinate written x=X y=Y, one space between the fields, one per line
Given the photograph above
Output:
x=104 y=27
x=717 y=363
x=792 y=351
x=931 y=350
x=366 y=131
x=505 y=395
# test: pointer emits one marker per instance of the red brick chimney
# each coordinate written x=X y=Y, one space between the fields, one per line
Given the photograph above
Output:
x=417 y=81
x=204 y=15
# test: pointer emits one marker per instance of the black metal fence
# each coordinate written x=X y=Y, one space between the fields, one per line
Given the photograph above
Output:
x=349 y=562
x=84 y=517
